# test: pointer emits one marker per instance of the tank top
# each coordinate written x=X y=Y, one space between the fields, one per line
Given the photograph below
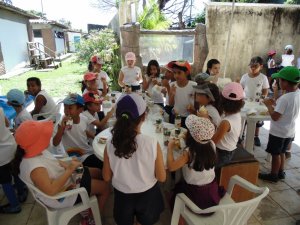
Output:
x=130 y=75
x=50 y=104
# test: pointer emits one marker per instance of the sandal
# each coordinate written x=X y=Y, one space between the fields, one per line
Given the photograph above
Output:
x=10 y=210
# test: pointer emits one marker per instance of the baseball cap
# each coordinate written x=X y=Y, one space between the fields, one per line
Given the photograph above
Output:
x=201 y=129
x=233 y=91
x=15 y=97
x=204 y=89
x=92 y=96
x=200 y=77
x=287 y=47
x=130 y=56
x=169 y=66
x=96 y=59
x=271 y=52
x=182 y=65
x=89 y=76
x=131 y=104
x=72 y=99
x=289 y=73
x=256 y=60
x=34 y=136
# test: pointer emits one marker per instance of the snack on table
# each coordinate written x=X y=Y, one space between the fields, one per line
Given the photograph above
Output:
x=203 y=109
x=264 y=113
x=102 y=140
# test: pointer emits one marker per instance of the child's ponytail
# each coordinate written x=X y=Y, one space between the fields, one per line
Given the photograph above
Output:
x=17 y=160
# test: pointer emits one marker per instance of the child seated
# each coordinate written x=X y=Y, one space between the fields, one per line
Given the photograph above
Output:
x=16 y=99
x=90 y=80
x=43 y=103
x=73 y=132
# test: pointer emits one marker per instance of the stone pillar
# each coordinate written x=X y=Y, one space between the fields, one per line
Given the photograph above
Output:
x=130 y=42
x=200 y=48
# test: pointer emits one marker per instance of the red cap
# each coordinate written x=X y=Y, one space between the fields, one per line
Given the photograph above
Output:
x=96 y=59
x=183 y=64
x=169 y=66
x=271 y=52
x=89 y=76
x=92 y=96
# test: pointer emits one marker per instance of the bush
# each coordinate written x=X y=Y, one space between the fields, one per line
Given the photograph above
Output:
x=105 y=44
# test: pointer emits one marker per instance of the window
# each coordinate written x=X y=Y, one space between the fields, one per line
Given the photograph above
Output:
x=37 y=33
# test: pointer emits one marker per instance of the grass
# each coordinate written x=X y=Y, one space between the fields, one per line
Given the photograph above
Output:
x=58 y=83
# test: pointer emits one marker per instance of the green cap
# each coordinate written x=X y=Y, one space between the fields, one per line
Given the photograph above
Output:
x=289 y=73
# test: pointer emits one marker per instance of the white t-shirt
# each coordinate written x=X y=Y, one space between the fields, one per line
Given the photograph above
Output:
x=194 y=177
x=98 y=79
x=50 y=105
x=8 y=144
x=76 y=138
x=287 y=60
x=91 y=118
x=298 y=62
x=47 y=161
x=213 y=114
x=131 y=75
x=98 y=91
x=271 y=61
x=155 y=91
x=230 y=139
x=183 y=97
x=288 y=106
x=21 y=117
x=136 y=174
x=253 y=86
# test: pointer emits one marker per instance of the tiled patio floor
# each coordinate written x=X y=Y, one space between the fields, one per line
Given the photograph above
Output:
x=281 y=207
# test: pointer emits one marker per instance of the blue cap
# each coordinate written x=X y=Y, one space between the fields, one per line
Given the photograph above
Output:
x=15 y=97
x=73 y=98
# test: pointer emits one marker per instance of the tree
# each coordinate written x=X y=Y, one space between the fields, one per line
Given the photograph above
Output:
x=65 y=22
x=7 y=2
x=39 y=14
x=293 y=2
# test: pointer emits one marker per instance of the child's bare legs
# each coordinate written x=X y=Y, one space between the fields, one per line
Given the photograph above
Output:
x=256 y=138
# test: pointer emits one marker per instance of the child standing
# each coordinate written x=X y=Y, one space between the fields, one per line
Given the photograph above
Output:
x=152 y=80
x=101 y=75
x=271 y=65
x=182 y=92
x=43 y=102
x=197 y=162
x=256 y=86
x=134 y=162
x=73 y=131
x=213 y=70
x=130 y=75
x=283 y=115
x=16 y=99
x=228 y=131
x=288 y=59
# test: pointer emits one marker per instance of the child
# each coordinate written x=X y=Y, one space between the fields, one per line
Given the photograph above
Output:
x=43 y=103
x=90 y=80
x=208 y=96
x=39 y=167
x=130 y=75
x=92 y=107
x=16 y=99
x=134 y=162
x=256 y=86
x=283 y=115
x=153 y=80
x=7 y=151
x=73 y=132
x=271 y=65
x=288 y=59
x=182 y=93
x=97 y=63
x=229 y=129
x=213 y=70
x=201 y=78
x=197 y=162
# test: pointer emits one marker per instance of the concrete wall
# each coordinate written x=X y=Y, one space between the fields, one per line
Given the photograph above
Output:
x=256 y=28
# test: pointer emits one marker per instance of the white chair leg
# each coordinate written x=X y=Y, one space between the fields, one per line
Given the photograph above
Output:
x=52 y=218
x=96 y=211
x=176 y=211
x=269 y=157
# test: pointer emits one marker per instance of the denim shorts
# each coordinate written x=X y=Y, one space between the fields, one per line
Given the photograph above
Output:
x=224 y=157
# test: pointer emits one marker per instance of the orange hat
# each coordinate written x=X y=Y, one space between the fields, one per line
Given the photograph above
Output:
x=92 y=96
x=182 y=65
x=96 y=59
x=89 y=76
x=34 y=136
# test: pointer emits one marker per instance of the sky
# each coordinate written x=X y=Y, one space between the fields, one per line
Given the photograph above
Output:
x=79 y=12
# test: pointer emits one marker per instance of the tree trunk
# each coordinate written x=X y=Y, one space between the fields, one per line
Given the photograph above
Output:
x=162 y=4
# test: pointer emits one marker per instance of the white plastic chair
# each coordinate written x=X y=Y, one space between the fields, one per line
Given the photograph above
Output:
x=53 y=115
x=226 y=213
x=64 y=215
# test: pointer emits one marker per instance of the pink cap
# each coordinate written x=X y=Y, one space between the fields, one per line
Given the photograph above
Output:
x=271 y=52
x=96 y=59
x=130 y=56
x=89 y=76
x=233 y=91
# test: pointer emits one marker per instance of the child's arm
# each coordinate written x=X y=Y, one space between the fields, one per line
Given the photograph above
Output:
x=140 y=77
x=60 y=131
x=106 y=171
x=89 y=134
x=222 y=129
x=40 y=101
x=104 y=91
x=274 y=115
x=121 y=78
x=179 y=162
x=160 y=172
x=172 y=95
x=264 y=92
x=100 y=123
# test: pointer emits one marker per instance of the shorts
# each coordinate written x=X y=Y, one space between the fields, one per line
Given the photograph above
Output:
x=135 y=88
x=259 y=123
x=145 y=206
x=277 y=145
x=224 y=157
x=85 y=182
x=5 y=174
x=93 y=161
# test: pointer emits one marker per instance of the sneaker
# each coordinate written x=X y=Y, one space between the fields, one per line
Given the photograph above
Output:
x=268 y=177
x=288 y=155
x=281 y=174
x=257 y=141
x=10 y=210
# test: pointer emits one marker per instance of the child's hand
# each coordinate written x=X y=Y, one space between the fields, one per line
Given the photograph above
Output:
x=269 y=102
x=203 y=114
x=103 y=80
x=165 y=83
x=70 y=166
x=190 y=108
x=173 y=89
x=164 y=91
x=171 y=144
x=64 y=122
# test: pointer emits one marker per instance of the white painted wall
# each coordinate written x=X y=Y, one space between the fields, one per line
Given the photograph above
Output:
x=39 y=40
x=73 y=37
x=60 y=45
x=13 y=38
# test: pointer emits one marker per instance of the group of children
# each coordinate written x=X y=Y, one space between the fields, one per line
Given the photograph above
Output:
x=134 y=161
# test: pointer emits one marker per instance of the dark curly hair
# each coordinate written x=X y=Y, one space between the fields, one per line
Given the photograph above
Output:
x=153 y=62
x=231 y=106
x=202 y=156
x=124 y=133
